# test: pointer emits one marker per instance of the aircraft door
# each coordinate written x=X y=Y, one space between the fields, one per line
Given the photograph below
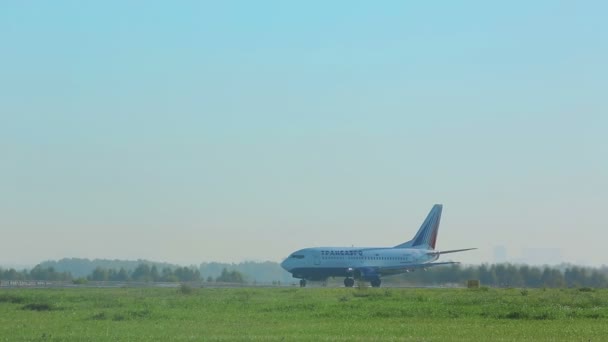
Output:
x=317 y=258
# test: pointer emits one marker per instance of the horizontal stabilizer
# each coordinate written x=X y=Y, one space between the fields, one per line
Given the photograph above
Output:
x=450 y=251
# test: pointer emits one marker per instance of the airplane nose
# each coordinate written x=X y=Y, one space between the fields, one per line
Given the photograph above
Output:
x=284 y=265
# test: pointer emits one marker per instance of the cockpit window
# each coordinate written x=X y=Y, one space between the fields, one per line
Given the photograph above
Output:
x=297 y=256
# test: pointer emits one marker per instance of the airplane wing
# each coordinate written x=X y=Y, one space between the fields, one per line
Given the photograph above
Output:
x=411 y=267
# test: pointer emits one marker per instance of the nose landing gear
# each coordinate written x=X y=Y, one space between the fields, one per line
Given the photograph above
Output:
x=302 y=282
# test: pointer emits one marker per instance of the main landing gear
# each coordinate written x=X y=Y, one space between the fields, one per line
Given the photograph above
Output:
x=349 y=282
x=302 y=282
x=376 y=282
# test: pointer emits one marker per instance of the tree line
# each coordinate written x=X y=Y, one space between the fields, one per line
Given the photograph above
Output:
x=82 y=267
x=495 y=275
x=36 y=273
x=254 y=272
x=147 y=273
x=509 y=275
x=142 y=273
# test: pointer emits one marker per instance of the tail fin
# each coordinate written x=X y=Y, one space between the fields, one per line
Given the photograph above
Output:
x=427 y=234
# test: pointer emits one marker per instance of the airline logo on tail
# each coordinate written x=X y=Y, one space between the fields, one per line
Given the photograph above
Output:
x=429 y=228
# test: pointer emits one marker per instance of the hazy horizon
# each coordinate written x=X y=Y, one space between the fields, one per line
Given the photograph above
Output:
x=522 y=258
x=226 y=131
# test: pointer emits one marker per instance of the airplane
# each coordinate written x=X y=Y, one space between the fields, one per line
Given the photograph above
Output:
x=370 y=263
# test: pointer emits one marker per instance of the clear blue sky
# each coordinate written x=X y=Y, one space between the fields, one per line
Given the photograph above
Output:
x=195 y=131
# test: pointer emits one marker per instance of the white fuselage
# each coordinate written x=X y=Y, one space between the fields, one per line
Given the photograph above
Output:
x=371 y=263
x=322 y=262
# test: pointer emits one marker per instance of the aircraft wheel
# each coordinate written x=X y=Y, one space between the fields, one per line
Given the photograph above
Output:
x=302 y=282
x=376 y=282
x=349 y=282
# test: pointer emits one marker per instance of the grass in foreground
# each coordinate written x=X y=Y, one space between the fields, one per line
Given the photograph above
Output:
x=143 y=314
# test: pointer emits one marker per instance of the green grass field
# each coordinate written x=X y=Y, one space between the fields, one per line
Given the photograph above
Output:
x=143 y=314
